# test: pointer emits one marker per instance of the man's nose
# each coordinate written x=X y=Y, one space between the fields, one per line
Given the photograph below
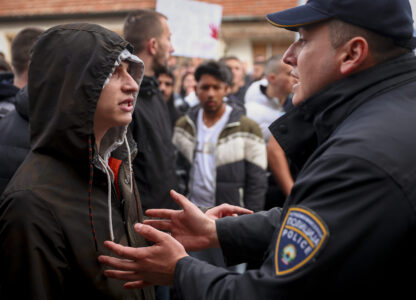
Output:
x=289 y=57
x=131 y=84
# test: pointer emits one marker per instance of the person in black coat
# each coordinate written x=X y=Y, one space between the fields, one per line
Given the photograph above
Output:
x=11 y=82
x=14 y=138
x=8 y=92
x=155 y=164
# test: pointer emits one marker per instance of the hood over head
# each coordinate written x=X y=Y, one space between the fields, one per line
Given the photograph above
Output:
x=69 y=67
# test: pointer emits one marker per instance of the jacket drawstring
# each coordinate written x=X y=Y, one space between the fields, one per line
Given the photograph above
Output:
x=129 y=160
x=110 y=212
x=90 y=191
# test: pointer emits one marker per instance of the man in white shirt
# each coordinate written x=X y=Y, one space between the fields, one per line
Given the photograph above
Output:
x=222 y=151
x=267 y=99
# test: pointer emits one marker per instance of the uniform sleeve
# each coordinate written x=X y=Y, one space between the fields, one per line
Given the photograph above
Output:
x=250 y=234
x=369 y=223
x=32 y=249
x=368 y=219
x=195 y=279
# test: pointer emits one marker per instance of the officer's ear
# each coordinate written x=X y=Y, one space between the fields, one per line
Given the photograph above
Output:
x=353 y=56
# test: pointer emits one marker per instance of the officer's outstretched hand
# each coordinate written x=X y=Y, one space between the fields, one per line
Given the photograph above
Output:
x=141 y=267
x=226 y=210
x=190 y=226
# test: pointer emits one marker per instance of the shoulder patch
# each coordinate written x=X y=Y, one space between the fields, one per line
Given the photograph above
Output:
x=301 y=236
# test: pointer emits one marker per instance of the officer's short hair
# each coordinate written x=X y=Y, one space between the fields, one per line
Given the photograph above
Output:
x=382 y=47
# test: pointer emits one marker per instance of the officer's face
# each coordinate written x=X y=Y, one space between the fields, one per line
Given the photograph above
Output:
x=314 y=61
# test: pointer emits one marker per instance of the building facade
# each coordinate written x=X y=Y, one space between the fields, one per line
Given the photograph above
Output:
x=244 y=30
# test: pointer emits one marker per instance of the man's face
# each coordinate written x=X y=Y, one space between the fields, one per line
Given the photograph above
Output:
x=166 y=86
x=284 y=80
x=164 y=47
x=211 y=92
x=258 y=72
x=115 y=105
x=238 y=71
x=314 y=61
x=189 y=83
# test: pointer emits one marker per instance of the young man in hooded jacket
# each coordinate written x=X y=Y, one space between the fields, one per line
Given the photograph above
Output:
x=75 y=189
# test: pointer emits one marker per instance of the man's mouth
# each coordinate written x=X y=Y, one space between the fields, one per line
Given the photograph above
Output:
x=127 y=105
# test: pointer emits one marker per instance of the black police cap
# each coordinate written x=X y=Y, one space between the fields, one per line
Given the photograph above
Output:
x=392 y=18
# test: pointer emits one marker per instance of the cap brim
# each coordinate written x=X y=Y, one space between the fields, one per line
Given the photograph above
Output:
x=296 y=17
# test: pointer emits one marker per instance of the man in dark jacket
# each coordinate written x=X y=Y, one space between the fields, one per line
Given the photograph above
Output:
x=7 y=93
x=75 y=189
x=10 y=83
x=348 y=227
x=14 y=128
x=154 y=166
x=14 y=138
x=166 y=80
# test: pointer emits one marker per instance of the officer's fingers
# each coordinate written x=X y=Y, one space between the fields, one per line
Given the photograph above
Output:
x=159 y=224
x=160 y=213
x=227 y=210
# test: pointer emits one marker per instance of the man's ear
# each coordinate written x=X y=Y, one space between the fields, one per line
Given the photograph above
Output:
x=354 y=55
x=152 y=46
x=227 y=89
x=271 y=77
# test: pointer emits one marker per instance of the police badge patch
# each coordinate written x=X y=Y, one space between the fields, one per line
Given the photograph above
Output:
x=301 y=236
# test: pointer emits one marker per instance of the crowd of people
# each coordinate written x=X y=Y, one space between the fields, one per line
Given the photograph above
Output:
x=126 y=173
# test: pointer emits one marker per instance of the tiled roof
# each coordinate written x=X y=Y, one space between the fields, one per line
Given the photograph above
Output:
x=18 y=8
x=57 y=7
